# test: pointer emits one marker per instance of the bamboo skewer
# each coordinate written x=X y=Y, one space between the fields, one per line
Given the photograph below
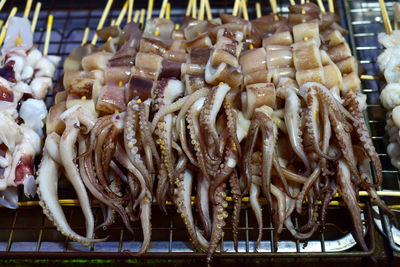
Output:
x=202 y=9
x=194 y=9
x=130 y=9
x=189 y=8
x=292 y=2
x=136 y=17
x=150 y=9
x=48 y=34
x=236 y=7
x=208 y=10
x=142 y=14
x=75 y=202
x=244 y=8
x=331 y=6
x=102 y=20
x=168 y=11
x=274 y=7
x=27 y=8
x=385 y=17
x=122 y=14
x=85 y=36
x=163 y=8
x=2 y=3
x=258 y=10
x=36 y=15
x=321 y=6
x=4 y=29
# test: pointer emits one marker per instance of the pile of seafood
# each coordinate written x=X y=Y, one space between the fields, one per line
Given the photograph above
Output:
x=25 y=77
x=217 y=108
x=388 y=63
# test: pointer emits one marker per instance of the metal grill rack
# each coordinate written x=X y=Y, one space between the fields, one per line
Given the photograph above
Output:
x=366 y=22
x=26 y=232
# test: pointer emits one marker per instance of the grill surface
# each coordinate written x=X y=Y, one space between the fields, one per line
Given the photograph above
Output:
x=26 y=232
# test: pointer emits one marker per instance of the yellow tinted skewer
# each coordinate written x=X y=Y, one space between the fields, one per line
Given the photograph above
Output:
x=36 y=15
x=258 y=10
x=150 y=9
x=194 y=9
x=27 y=8
x=48 y=34
x=244 y=7
x=142 y=14
x=130 y=9
x=385 y=17
x=292 y=2
x=4 y=30
x=2 y=3
x=321 y=6
x=163 y=8
x=168 y=12
x=331 y=6
x=274 y=7
x=85 y=36
x=208 y=10
x=136 y=17
x=189 y=8
x=102 y=20
x=236 y=7
x=122 y=14
x=202 y=8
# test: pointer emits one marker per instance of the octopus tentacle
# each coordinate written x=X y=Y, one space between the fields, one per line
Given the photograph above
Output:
x=219 y=216
x=363 y=135
x=306 y=187
x=237 y=203
x=72 y=118
x=255 y=205
x=331 y=191
x=180 y=121
x=203 y=186
x=292 y=122
x=182 y=201
x=47 y=181
x=348 y=194
x=89 y=178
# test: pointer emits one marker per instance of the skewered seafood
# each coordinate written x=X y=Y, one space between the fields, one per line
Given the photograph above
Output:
x=205 y=110
x=25 y=77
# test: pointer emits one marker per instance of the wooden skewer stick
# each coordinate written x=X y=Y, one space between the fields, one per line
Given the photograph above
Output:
x=385 y=17
x=274 y=7
x=163 y=8
x=4 y=29
x=396 y=17
x=189 y=8
x=292 y=2
x=142 y=14
x=102 y=20
x=48 y=34
x=2 y=3
x=36 y=15
x=331 y=6
x=150 y=9
x=208 y=10
x=244 y=7
x=85 y=36
x=168 y=11
x=302 y=1
x=236 y=7
x=130 y=8
x=321 y=6
x=136 y=17
x=122 y=14
x=27 y=8
x=194 y=9
x=202 y=9
x=258 y=10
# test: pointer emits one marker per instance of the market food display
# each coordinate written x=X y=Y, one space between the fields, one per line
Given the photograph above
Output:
x=209 y=112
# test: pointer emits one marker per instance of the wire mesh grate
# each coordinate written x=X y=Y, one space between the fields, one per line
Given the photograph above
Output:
x=28 y=233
